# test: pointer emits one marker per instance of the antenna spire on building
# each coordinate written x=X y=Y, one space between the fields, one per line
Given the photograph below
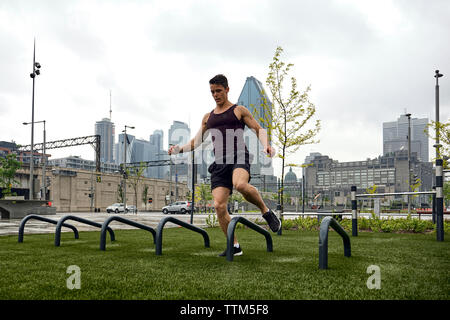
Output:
x=110 y=108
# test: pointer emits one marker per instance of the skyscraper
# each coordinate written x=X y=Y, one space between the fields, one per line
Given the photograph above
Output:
x=106 y=129
x=395 y=136
x=157 y=142
x=252 y=97
x=179 y=134
x=157 y=139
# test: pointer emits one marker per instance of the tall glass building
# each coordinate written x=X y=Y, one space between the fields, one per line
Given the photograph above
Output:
x=252 y=97
x=395 y=137
x=106 y=129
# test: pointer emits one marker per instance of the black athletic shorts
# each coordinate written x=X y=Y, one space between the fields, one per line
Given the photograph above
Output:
x=222 y=174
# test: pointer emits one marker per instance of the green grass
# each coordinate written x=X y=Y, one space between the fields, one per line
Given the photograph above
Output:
x=413 y=266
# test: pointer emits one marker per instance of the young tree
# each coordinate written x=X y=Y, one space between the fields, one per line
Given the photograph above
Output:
x=145 y=196
x=135 y=175
x=371 y=190
x=202 y=195
x=287 y=117
x=443 y=130
x=119 y=193
x=8 y=167
x=235 y=197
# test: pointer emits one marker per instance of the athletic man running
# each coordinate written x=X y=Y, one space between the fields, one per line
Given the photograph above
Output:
x=231 y=168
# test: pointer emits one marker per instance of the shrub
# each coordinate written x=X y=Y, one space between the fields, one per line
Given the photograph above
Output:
x=373 y=224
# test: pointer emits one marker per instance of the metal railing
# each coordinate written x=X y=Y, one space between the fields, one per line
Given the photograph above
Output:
x=328 y=222
x=125 y=221
x=160 y=229
x=37 y=217
x=81 y=220
x=230 y=234
x=438 y=207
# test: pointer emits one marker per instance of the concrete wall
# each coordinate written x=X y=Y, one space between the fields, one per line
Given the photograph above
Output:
x=70 y=192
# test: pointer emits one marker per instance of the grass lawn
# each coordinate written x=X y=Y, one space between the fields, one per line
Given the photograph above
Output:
x=413 y=266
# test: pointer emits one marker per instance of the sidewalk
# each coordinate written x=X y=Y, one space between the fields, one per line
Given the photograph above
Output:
x=11 y=226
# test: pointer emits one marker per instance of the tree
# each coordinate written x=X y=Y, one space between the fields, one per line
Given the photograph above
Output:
x=443 y=129
x=233 y=198
x=286 y=118
x=446 y=190
x=119 y=193
x=145 y=196
x=203 y=195
x=371 y=190
x=8 y=167
x=135 y=175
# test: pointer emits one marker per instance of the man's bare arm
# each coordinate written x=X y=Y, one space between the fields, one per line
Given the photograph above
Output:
x=261 y=133
x=193 y=143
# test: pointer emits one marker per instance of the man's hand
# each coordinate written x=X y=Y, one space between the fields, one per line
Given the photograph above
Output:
x=270 y=151
x=174 y=150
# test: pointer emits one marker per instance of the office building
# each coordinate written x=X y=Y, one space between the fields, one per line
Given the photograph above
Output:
x=333 y=179
x=252 y=97
x=395 y=137
x=76 y=162
x=106 y=129
x=180 y=134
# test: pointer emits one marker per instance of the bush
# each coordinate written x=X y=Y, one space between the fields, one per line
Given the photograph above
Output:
x=373 y=224
x=287 y=224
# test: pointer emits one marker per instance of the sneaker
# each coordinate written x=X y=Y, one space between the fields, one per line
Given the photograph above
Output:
x=272 y=220
x=236 y=252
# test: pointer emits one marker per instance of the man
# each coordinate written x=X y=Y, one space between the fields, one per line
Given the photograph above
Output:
x=231 y=168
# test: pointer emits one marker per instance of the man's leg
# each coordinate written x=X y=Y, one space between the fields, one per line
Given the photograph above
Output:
x=250 y=193
x=220 y=196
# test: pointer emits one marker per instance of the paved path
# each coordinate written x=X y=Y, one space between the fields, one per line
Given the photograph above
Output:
x=11 y=226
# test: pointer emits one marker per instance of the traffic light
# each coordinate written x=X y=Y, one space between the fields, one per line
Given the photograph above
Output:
x=99 y=179
x=150 y=200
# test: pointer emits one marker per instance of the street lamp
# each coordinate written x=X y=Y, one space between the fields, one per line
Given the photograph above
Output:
x=125 y=167
x=409 y=161
x=437 y=145
x=36 y=72
x=44 y=161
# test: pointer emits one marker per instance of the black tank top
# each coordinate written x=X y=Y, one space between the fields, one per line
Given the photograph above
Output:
x=227 y=133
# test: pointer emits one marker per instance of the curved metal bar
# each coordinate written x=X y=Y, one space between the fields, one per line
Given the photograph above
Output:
x=251 y=225
x=37 y=217
x=323 y=240
x=75 y=218
x=126 y=221
x=160 y=228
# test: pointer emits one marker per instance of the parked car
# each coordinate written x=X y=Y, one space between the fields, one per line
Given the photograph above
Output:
x=179 y=206
x=116 y=207
x=131 y=208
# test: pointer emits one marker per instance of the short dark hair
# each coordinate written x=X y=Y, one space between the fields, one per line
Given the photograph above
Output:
x=219 y=79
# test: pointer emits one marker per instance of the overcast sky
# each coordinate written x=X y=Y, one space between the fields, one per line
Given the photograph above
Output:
x=366 y=61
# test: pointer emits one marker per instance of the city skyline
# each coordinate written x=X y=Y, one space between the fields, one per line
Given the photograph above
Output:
x=368 y=63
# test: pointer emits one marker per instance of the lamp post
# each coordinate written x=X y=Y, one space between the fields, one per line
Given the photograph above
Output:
x=437 y=145
x=409 y=161
x=44 y=162
x=36 y=72
x=125 y=141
